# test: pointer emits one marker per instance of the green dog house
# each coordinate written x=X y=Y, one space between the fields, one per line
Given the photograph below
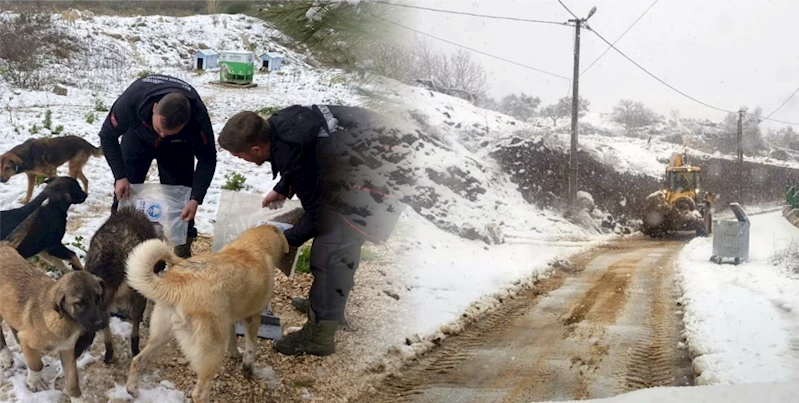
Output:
x=236 y=67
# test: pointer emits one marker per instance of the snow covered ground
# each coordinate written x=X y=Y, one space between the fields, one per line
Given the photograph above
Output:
x=741 y=321
x=750 y=393
x=451 y=275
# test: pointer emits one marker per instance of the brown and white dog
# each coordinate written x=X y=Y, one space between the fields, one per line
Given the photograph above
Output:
x=47 y=315
x=43 y=156
x=198 y=300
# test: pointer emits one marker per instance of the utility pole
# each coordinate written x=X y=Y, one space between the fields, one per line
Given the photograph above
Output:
x=740 y=153
x=740 y=137
x=573 y=163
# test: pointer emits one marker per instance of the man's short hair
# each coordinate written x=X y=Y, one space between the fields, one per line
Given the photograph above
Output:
x=175 y=110
x=242 y=131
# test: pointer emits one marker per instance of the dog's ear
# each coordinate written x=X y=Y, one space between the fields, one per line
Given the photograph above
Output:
x=159 y=230
x=102 y=284
x=58 y=304
x=16 y=162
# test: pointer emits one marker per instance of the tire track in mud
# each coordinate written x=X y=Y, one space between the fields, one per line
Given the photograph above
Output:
x=567 y=338
x=652 y=361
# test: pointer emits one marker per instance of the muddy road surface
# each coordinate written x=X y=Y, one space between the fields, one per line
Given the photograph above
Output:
x=606 y=324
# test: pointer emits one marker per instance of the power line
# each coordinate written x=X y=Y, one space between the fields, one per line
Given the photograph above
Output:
x=610 y=46
x=567 y=9
x=621 y=36
x=498 y=17
x=472 y=50
x=675 y=89
x=782 y=104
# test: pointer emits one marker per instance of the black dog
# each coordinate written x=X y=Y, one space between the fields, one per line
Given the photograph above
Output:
x=108 y=254
x=41 y=232
x=10 y=219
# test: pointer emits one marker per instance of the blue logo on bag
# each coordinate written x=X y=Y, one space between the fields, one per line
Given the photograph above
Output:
x=154 y=211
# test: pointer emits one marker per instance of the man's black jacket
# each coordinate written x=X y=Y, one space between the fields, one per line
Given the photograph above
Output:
x=329 y=173
x=133 y=110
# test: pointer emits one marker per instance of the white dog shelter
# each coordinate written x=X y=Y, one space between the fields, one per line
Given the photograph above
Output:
x=206 y=59
x=271 y=61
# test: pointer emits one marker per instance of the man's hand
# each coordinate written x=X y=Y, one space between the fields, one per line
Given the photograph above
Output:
x=273 y=200
x=189 y=211
x=122 y=189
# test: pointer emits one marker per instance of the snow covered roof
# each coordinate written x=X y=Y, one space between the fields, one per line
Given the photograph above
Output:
x=207 y=52
x=272 y=55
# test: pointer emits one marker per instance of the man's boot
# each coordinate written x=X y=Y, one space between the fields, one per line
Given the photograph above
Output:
x=314 y=338
x=184 y=251
x=302 y=305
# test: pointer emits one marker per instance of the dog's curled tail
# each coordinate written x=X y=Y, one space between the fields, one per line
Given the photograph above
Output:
x=141 y=274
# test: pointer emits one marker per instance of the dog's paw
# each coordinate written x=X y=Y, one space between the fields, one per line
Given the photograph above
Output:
x=79 y=399
x=108 y=359
x=35 y=382
x=246 y=369
x=234 y=353
x=6 y=358
x=133 y=391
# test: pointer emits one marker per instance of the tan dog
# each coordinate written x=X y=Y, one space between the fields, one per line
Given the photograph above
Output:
x=70 y=16
x=47 y=315
x=43 y=156
x=199 y=300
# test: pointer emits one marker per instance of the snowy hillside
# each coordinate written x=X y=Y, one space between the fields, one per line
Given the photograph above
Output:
x=458 y=188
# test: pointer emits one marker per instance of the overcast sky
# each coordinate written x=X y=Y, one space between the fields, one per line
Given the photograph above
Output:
x=722 y=52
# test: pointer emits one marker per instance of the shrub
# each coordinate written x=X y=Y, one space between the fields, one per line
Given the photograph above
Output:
x=304 y=261
x=99 y=105
x=268 y=110
x=143 y=73
x=48 y=119
x=235 y=181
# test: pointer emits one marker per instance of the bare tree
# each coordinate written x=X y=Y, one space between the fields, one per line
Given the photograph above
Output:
x=213 y=6
x=522 y=106
x=752 y=139
x=563 y=109
x=392 y=60
x=466 y=73
x=633 y=114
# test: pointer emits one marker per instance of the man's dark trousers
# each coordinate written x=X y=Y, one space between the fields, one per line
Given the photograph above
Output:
x=175 y=159
x=335 y=256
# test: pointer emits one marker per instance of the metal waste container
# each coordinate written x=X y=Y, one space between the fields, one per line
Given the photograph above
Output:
x=731 y=237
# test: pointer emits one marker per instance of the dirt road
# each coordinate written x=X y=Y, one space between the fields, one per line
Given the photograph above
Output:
x=607 y=324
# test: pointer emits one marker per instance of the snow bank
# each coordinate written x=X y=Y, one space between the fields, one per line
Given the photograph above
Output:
x=741 y=321
x=757 y=392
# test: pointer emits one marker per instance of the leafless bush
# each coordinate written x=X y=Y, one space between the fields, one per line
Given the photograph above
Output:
x=27 y=40
x=457 y=71
x=213 y=6
x=787 y=259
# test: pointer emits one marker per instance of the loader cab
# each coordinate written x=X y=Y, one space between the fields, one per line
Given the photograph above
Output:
x=683 y=181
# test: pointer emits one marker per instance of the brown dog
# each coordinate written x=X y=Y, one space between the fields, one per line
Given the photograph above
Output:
x=43 y=156
x=47 y=315
x=199 y=300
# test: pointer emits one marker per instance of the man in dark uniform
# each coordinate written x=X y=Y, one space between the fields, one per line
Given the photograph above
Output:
x=161 y=118
x=323 y=157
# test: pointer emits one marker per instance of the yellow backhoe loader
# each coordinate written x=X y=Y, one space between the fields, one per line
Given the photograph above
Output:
x=682 y=204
